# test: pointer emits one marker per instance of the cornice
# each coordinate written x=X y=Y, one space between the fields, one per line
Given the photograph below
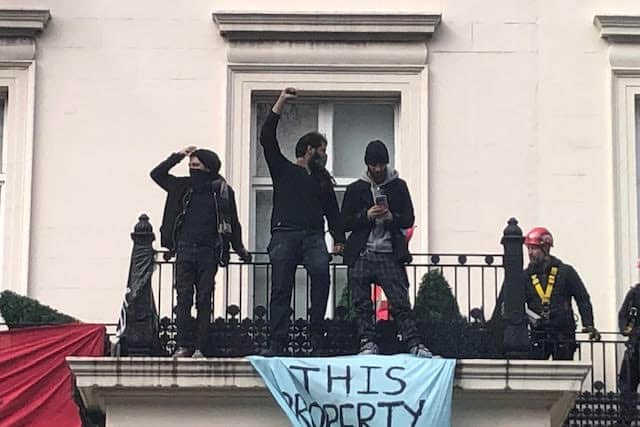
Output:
x=337 y=27
x=618 y=28
x=23 y=22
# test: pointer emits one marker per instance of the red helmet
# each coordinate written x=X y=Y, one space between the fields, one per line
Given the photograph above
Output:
x=539 y=236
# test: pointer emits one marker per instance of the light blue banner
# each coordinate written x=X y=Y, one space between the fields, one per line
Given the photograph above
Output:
x=361 y=391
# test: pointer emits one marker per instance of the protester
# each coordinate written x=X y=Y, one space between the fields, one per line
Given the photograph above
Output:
x=377 y=209
x=199 y=223
x=303 y=194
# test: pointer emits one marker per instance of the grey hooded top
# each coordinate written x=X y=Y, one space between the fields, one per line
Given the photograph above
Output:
x=380 y=238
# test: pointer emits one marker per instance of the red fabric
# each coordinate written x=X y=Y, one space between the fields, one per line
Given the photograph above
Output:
x=380 y=302
x=36 y=387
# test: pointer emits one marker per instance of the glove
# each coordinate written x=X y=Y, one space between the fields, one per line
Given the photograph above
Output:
x=224 y=260
x=245 y=256
x=594 y=335
x=168 y=255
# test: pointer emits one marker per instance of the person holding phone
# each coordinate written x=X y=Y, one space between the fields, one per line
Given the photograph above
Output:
x=303 y=195
x=377 y=210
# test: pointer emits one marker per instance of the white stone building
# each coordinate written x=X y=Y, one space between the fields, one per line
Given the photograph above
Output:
x=494 y=109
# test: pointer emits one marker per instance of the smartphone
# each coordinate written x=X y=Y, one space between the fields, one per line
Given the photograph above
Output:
x=381 y=200
x=291 y=91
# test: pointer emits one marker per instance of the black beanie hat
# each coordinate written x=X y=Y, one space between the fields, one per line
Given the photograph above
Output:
x=376 y=153
x=209 y=159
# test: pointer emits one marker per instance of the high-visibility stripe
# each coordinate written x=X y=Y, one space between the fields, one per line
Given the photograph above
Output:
x=545 y=296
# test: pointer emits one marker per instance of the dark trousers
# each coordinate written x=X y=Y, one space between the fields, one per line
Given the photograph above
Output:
x=555 y=344
x=628 y=383
x=196 y=268
x=287 y=249
x=385 y=270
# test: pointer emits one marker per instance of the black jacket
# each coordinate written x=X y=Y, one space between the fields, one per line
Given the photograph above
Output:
x=299 y=199
x=631 y=300
x=357 y=201
x=568 y=285
x=177 y=188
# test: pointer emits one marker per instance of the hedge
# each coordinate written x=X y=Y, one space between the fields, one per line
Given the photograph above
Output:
x=19 y=311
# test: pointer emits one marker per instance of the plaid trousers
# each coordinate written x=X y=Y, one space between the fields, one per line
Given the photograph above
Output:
x=385 y=270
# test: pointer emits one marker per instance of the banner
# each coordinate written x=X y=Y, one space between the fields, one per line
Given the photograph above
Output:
x=360 y=391
x=36 y=388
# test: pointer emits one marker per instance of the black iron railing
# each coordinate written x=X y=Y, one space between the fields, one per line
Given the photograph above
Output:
x=240 y=319
x=601 y=402
x=243 y=291
x=474 y=280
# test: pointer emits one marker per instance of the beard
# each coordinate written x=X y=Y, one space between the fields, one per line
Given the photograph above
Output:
x=317 y=162
x=538 y=263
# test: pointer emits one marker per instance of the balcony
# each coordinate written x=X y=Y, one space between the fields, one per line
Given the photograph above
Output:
x=454 y=297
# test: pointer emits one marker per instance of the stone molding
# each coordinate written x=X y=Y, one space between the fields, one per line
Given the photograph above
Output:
x=618 y=28
x=101 y=376
x=337 y=27
x=18 y=29
x=23 y=22
x=514 y=375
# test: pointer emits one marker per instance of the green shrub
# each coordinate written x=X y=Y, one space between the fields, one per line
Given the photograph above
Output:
x=346 y=304
x=435 y=301
x=19 y=311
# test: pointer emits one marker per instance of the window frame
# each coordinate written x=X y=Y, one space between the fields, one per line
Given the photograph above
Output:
x=18 y=80
x=407 y=84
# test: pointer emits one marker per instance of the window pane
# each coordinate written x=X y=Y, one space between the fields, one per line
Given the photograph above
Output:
x=262 y=272
x=354 y=125
x=340 y=195
x=296 y=120
x=264 y=203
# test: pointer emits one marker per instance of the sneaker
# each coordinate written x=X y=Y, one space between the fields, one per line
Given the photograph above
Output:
x=369 y=348
x=273 y=350
x=267 y=352
x=197 y=354
x=183 y=352
x=419 y=350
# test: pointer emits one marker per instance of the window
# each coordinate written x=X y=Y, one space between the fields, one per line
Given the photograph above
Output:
x=348 y=123
x=16 y=151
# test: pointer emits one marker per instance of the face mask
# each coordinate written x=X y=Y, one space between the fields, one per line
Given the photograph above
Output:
x=199 y=178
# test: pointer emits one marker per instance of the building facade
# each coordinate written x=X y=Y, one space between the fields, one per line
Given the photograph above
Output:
x=492 y=109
